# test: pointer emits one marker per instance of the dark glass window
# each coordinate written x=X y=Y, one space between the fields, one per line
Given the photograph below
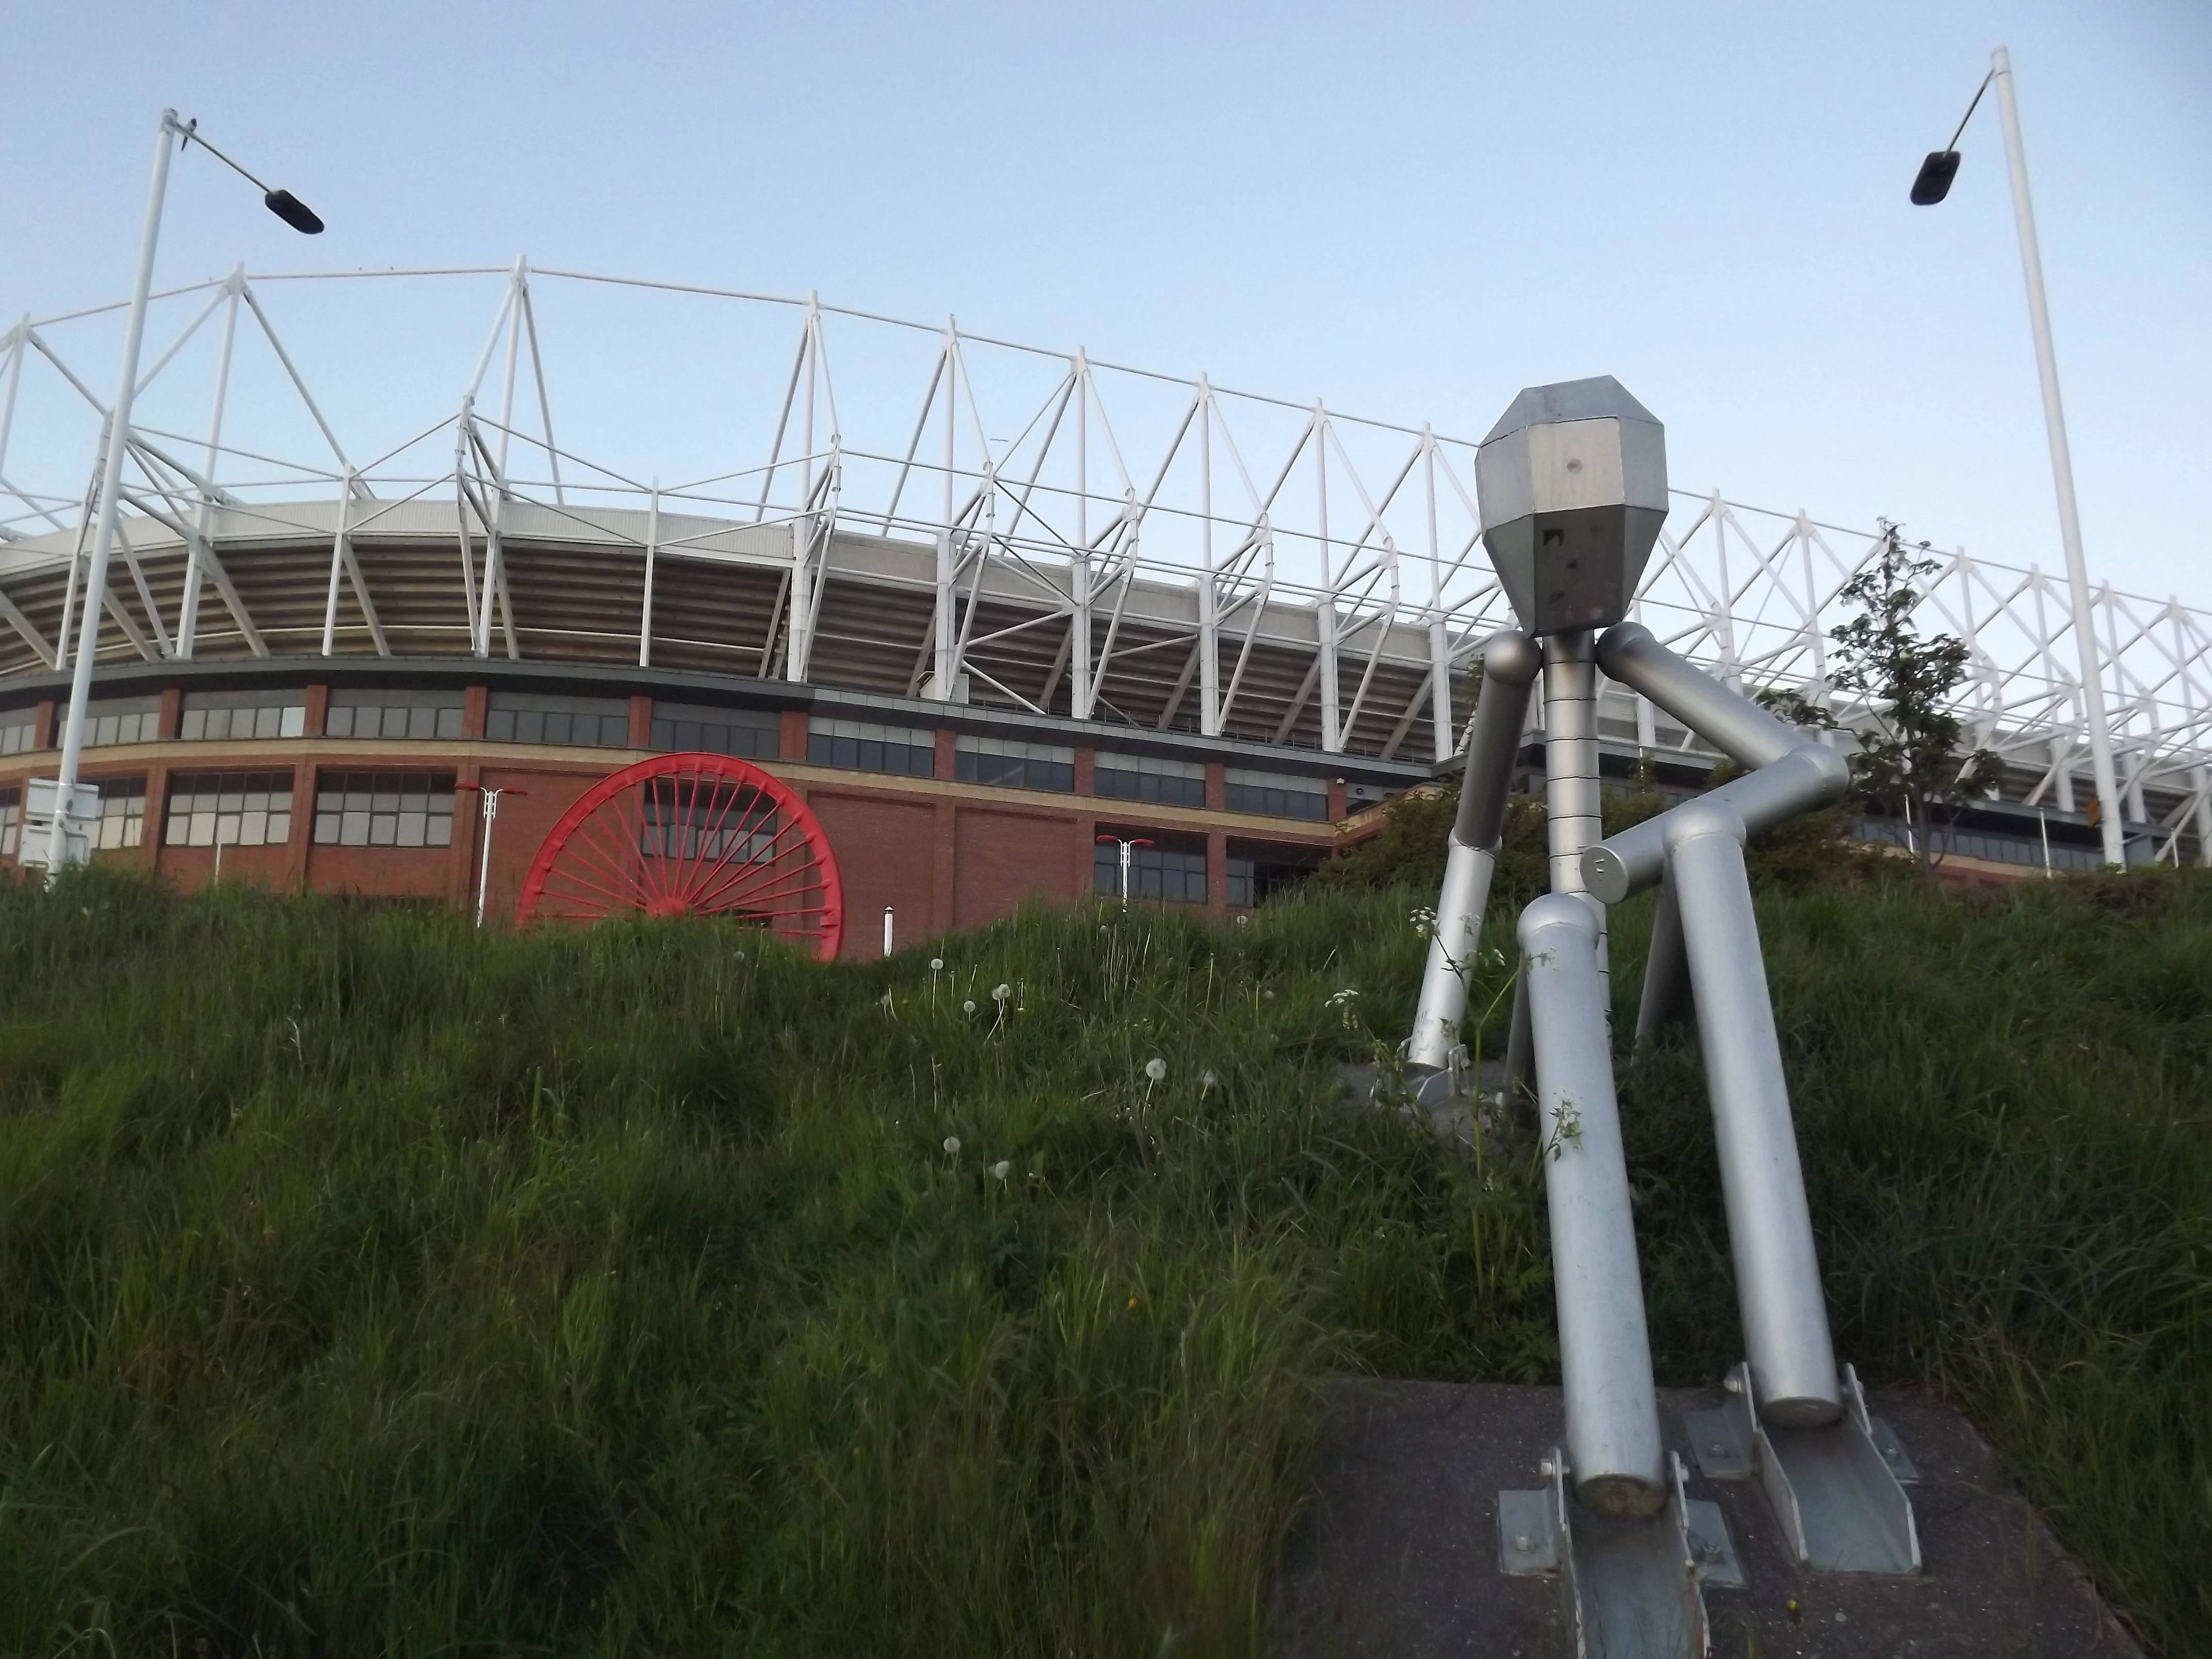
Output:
x=419 y=716
x=748 y=733
x=234 y=716
x=237 y=809
x=1012 y=765
x=1274 y=795
x=384 y=809
x=863 y=747
x=1134 y=777
x=568 y=722
x=1168 y=874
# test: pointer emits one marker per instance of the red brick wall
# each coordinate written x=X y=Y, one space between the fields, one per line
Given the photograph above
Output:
x=886 y=854
x=1003 y=858
x=413 y=871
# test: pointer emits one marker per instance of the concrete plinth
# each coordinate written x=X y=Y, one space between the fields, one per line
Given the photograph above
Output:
x=1398 y=1553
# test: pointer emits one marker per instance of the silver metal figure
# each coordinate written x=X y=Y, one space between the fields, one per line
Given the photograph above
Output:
x=1572 y=486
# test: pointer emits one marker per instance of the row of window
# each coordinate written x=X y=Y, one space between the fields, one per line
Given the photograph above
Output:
x=604 y=723
x=1993 y=848
x=1173 y=875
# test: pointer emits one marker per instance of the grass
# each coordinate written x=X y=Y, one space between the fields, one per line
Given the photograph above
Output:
x=370 y=1286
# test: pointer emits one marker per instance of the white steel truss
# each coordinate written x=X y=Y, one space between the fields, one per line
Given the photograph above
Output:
x=1111 y=527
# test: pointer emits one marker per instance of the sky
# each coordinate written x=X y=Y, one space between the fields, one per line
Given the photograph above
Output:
x=1409 y=210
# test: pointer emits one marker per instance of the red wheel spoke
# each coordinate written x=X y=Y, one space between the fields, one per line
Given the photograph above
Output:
x=692 y=834
x=736 y=851
x=591 y=849
x=753 y=876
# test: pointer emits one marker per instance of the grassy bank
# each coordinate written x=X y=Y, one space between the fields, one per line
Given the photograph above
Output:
x=368 y=1286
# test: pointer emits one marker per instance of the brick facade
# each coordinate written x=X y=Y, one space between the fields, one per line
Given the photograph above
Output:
x=941 y=854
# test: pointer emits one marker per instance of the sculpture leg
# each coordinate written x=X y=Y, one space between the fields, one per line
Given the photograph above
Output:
x=1510 y=661
x=1665 y=969
x=1614 y=1448
x=1777 y=1274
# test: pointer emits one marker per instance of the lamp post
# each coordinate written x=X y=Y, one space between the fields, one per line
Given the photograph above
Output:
x=65 y=843
x=1124 y=846
x=490 y=798
x=1929 y=187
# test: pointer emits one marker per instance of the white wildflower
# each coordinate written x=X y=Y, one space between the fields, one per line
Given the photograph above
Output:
x=1002 y=994
x=1156 y=1069
x=937 y=964
x=968 y=1006
x=952 y=1145
x=1000 y=1170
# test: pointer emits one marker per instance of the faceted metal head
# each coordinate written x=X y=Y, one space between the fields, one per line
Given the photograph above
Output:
x=1572 y=482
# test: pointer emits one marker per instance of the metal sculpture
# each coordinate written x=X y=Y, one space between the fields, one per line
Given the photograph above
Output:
x=694 y=835
x=1572 y=486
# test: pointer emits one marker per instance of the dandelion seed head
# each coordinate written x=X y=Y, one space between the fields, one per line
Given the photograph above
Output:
x=1002 y=994
x=937 y=964
x=952 y=1145
x=968 y=1006
x=1156 y=1068
x=1000 y=1170
x=1208 y=1080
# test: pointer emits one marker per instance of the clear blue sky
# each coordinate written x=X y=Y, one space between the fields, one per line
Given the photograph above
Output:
x=1410 y=210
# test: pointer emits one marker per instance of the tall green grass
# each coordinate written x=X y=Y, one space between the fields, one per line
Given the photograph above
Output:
x=368 y=1284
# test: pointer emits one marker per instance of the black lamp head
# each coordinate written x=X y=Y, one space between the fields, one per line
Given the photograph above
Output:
x=1937 y=172
x=297 y=214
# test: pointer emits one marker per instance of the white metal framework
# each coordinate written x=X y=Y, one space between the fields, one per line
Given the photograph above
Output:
x=949 y=516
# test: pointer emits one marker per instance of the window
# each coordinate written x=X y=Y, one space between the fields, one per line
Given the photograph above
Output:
x=748 y=733
x=1995 y=848
x=19 y=731
x=11 y=822
x=1139 y=777
x=582 y=722
x=122 y=821
x=419 y=716
x=216 y=716
x=1274 y=794
x=1167 y=874
x=706 y=824
x=384 y=809
x=1254 y=880
x=123 y=720
x=237 y=809
x=1013 y=765
x=908 y=751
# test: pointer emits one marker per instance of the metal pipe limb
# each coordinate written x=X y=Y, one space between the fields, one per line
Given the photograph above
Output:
x=1737 y=727
x=1810 y=776
x=1614 y=1450
x=1452 y=946
x=1665 y=970
x=1509 y=662
x=1777 y=1272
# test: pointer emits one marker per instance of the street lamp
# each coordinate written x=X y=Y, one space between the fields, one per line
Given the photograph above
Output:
x=63 y=803
x=490 y=797
x=1138 y=840
x=1930 y=187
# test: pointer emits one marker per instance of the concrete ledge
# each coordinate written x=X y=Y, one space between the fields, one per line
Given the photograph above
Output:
x=1397 y=1553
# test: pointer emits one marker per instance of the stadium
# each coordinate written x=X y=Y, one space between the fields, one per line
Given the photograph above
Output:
x=973 y=621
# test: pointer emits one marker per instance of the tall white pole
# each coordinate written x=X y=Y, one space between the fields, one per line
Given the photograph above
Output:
x=111 y=492
x=490 y=798
x=2062 y=468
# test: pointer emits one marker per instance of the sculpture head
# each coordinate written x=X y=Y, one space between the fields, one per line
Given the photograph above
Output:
x=1572 y=483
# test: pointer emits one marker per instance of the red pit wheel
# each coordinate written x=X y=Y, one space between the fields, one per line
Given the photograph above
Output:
x=690 y=836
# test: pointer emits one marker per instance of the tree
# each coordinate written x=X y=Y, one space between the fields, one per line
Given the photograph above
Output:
x=1910 y=762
